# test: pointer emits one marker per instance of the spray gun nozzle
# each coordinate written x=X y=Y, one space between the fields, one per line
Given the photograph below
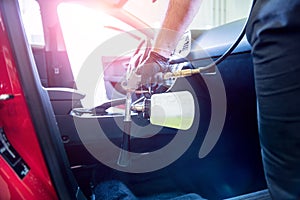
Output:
x=181 y=73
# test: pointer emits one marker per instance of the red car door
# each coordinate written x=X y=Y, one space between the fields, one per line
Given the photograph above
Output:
x=23 y=172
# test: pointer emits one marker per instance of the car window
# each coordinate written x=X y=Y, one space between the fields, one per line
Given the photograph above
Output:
x=212 y=13
x=31 y=17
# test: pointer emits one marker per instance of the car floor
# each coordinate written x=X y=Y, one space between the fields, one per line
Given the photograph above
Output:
x=112 y=190
x=187 y=179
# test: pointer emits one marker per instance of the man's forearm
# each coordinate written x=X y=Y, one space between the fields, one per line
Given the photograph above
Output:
x=179 y=16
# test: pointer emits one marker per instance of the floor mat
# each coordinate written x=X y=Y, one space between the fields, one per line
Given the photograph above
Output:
x=113 y=190
x=116 y=190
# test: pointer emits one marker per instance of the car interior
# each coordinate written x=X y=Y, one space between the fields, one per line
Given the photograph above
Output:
x=222 y=161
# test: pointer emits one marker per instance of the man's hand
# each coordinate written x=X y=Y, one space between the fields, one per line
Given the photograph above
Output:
x=152 y=70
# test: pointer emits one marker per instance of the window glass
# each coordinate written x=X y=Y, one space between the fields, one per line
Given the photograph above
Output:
x=212 y=13
x=31 y=17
